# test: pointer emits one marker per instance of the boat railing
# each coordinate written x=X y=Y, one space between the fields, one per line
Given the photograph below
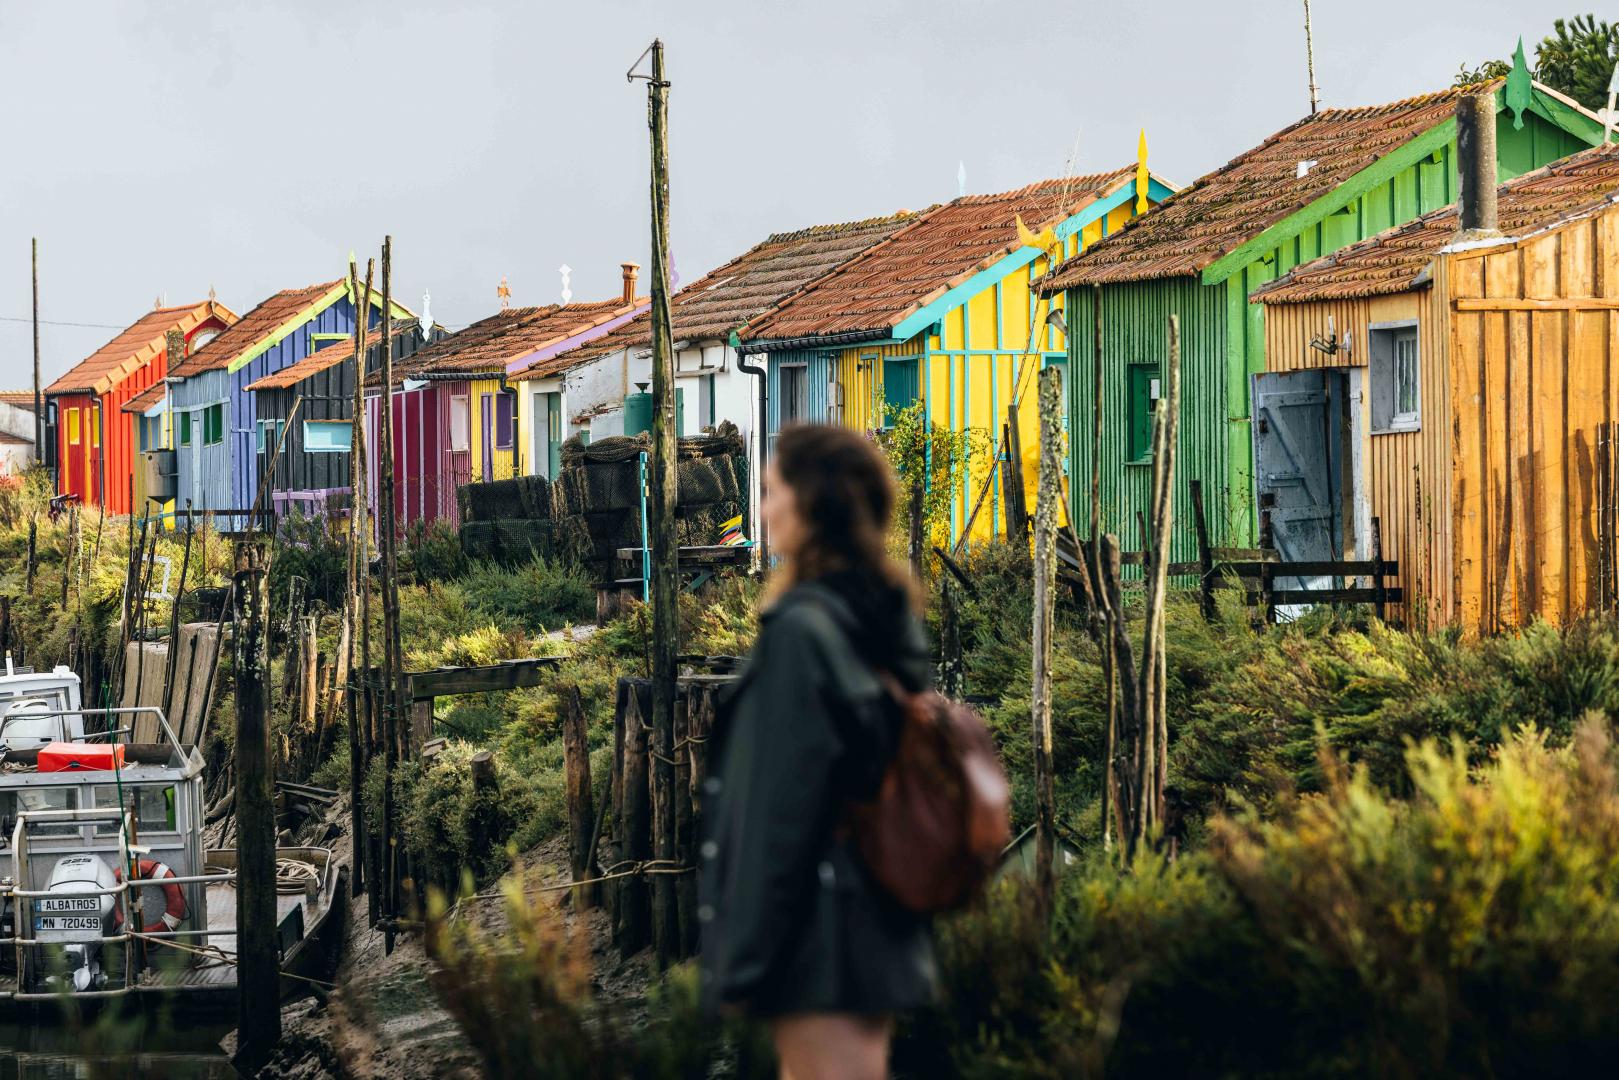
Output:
x=24 y=940
x=111 y=714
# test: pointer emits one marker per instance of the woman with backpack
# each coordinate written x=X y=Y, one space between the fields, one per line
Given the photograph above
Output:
x=795 y=930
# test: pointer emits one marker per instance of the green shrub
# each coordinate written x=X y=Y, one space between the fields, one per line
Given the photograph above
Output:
x=432 y=553
x=1468 y=930
x=540 y=595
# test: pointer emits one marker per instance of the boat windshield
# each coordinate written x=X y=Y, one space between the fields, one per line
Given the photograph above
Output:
x=14 y=801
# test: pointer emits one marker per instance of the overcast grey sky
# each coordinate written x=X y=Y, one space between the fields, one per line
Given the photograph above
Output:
x=160 y=147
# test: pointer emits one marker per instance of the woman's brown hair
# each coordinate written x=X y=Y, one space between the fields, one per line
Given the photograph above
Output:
x=844 y=491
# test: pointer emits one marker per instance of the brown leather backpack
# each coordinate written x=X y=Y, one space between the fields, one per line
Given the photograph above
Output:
x=936 y=829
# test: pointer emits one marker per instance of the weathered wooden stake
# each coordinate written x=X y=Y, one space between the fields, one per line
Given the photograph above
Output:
x=1154 y=668
x=33 y=529
x=259 y=993
x=354 y=609
x=39 y=402
x=633 y=909
x=1205 y=553
x=1045 y=574
x=581 y=816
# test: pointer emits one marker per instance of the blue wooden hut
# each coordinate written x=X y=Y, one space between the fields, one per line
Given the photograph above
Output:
x=212 y=422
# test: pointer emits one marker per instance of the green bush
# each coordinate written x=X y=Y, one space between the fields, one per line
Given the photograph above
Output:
x=432 y=553
x=540 y=595
x=1468 y=930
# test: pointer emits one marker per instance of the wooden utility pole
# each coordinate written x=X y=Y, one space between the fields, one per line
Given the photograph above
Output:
x=39 y=401
x=664 y=488
x=1045 y=579
x=393 y=676
x=259 y=974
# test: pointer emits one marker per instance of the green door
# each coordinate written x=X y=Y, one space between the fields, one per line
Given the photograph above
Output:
x=553 y=435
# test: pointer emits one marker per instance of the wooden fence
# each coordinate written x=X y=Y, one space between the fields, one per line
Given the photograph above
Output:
x=1257 y=571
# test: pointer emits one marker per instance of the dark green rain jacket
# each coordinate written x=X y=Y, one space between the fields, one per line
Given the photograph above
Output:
x=790 y=920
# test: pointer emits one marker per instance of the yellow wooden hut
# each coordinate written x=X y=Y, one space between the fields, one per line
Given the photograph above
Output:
x=941 y=312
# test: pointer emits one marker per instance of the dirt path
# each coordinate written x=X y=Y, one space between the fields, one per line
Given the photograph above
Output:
x=385 y=1020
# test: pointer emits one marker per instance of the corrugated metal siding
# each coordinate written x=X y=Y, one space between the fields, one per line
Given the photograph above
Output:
x=1532 y=387
x=1135 y=329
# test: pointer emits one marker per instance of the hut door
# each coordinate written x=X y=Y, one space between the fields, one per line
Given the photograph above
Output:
x=1297 y=461
x=487 y=426
x=553 y=435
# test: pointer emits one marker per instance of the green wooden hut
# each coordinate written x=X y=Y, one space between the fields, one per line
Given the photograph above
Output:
x=1329 y=180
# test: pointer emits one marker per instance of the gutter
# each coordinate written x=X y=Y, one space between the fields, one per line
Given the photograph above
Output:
x=762 y=545
x=829 y=341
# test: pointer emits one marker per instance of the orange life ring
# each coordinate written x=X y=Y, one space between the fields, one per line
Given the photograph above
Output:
x=175 y=910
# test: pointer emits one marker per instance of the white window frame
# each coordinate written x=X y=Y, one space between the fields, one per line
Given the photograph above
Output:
x=1395 y=357
x=460 y=423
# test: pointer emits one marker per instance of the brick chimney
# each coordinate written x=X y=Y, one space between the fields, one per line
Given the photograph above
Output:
x=1476 y=166
x=631 y=272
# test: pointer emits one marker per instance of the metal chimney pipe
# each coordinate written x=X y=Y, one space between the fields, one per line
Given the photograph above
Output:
x=1476 y=164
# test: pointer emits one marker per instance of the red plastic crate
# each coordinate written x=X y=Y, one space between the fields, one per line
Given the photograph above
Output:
x=72 y=757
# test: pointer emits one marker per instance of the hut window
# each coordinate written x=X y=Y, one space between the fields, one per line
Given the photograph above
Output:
x=213 y=425
x=327 y=436
x=460 y=417
x=1142 y=387
x=95 y=427
x=73 y=427
x=503 y=421
x=185 y=429
x=1396 y=373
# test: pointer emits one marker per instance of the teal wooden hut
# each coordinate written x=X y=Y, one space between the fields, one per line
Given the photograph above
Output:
x=1331 y=179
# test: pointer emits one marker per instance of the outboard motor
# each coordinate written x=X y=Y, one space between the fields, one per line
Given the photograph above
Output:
x=76 y=916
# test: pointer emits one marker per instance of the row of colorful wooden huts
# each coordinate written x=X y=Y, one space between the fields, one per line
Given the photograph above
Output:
x=1344 y=359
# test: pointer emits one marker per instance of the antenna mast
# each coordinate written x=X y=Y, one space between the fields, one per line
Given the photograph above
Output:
x=1309 y=59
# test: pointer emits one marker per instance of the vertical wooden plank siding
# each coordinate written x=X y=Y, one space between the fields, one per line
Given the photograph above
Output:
x=1216 y=437
x=1135 y=321
x=1526 y=443
x=1407 y=474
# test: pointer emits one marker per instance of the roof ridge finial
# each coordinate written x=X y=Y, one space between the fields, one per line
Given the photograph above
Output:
x=213 y=297
x=567 y=291
x=1520 y=90
x=504 y=291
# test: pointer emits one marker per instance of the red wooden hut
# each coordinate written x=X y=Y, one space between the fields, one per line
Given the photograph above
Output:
x=94 y=439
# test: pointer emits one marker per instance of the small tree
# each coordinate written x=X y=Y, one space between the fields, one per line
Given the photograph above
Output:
x=932 y=462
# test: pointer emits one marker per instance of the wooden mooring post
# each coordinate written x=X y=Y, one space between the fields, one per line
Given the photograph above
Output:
x=259 y=965
x=581 y=814
x=635 y=836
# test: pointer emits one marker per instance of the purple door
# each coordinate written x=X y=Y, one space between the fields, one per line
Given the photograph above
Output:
x=487 y=404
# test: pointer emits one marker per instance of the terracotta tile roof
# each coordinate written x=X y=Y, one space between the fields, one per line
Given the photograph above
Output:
x=144 y=340
x=322 y=358
x=489 y=345
x=22 y=399
x=725 y=299
x=943 y=247
x=1236 y=202
x=145 y=399
x=257 y=326
x=1392 y=261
